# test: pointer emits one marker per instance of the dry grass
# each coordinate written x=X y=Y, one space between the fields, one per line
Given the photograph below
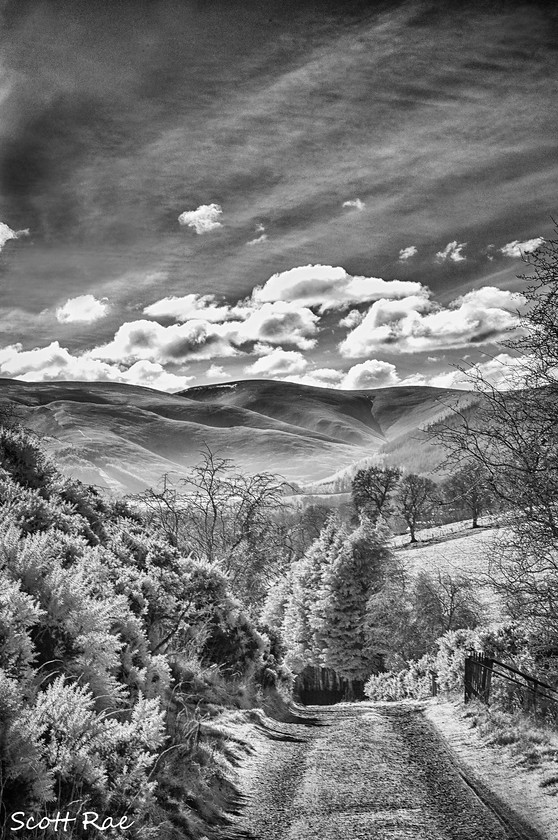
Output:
x=530 y=741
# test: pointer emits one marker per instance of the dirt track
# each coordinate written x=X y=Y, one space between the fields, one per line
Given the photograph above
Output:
x=372 y=772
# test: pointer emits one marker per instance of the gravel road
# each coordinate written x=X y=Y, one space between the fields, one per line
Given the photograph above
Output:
x=366 y=771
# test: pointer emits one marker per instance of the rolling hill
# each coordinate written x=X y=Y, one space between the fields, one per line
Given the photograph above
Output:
x=124 y=437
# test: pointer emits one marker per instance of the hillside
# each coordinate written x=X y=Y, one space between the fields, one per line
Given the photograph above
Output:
x=125 y=438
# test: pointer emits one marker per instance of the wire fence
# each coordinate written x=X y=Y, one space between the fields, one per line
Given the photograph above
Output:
x=534 y=694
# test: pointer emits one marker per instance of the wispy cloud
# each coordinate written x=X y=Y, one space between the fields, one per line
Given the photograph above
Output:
x=517 y=248
x=452 y=251
x=354 y=204
x=204 y=219
x=408 y=252
x=84 y=309
x=6 y=234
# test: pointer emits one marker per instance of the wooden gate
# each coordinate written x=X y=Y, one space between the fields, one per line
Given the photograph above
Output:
x=478 y=676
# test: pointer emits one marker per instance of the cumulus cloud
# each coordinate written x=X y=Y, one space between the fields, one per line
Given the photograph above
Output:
x=452 y=252
x=502 y=371
x=355 y=204
x=352 y=319
x=416 y=324
x=272 y=323
x=517 y=248
x=217 y=372
x=408 y=252
x=152 y=375
x=84 y=309
x=51 y=363
x=137 y=340
x=320 y=378
x=370 y=374
x=330 y=287
x=6 y=234
x=203 y=219
x=279 y=322
x=193 y=307
x=279 y=362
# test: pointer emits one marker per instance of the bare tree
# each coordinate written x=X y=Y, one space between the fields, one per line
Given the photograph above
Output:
x=512 y=434
x=227 y=517
x=372 y=489
x=414 y=497
x=468 y=490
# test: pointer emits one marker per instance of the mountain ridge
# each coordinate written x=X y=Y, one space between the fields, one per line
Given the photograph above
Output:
x=126 y=437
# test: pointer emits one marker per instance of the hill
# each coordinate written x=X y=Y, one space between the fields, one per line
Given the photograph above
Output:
x=124 y=437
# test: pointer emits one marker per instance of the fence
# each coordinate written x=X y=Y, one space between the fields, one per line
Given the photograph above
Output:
x=480 y=669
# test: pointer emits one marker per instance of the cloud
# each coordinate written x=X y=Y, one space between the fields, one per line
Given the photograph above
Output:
x=320 y=378
x=204 y=219
x=517 y=248
x=261 y=238
x=408 y=252
x=152 y=375
x=6 y=234
x=330 y=287
x=192 y=307
x=355 y=203
x=82 y=309
x=279 y=362
x=370 y=374
x=452 y=252
x=417 y=324
x=352 y=319
x=148 y=340
x=217 y=372
x=51 y=363
x=272 y=323
x=502 y=371
x=279 y=322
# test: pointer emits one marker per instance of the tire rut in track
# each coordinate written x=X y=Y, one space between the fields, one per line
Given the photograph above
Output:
x=369 y=771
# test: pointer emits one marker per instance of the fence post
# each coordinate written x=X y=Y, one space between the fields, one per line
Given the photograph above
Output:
x=433 y=684
x=468 y=677
x=486 y=679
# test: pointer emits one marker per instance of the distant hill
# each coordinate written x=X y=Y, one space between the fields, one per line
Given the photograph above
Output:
x=125 y=437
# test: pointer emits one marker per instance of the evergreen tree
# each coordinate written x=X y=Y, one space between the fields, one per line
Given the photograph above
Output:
x=304 y=641
x=339 y=615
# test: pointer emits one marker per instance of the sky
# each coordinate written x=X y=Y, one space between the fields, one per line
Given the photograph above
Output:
x=334 y=193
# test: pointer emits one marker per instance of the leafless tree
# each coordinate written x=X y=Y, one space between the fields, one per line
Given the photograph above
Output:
x=512 y=434
x=372 y=489
x=227 y=517
x=414 y=498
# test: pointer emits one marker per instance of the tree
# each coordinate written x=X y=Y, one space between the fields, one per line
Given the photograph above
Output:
x=372 y=489
x=304 y=640
x=512 y=433
x=339 y=613
x=468 y=490
x=440 y=602
x=414 y=498
x=226 y=517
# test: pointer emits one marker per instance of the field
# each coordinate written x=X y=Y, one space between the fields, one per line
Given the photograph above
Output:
x=457 y=552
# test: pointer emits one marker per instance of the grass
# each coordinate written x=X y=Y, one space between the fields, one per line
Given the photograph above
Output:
x=530 y=740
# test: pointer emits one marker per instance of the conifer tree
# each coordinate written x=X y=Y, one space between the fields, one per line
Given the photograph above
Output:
x=339 y=616
x=303 y=640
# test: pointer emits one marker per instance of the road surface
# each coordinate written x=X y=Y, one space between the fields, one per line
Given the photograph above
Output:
x=366 y=772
